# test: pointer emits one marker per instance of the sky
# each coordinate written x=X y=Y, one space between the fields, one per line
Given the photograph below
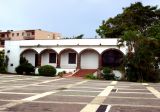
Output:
x=68 y=17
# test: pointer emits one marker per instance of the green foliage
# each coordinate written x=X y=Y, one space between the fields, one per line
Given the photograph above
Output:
x=79 y=36
x=141 y=63
x=153 y=31
x=60 y=74
x=138 y=28
x=107 y=70
x=90 y=76
x=136 y=17
x=47 y=70
x=107 y=74
x=75 y=37
x=3 y=62
x=23 y=60
x=24 y=67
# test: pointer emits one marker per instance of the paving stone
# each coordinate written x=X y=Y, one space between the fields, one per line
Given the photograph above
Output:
x=129 y=101
x=46 y=107
x=66 y=98
x=5 y=96
x=22 y=90
x=78 y=93
x=142 y=91
x=133 y=109
x=132 y=95
x=85 y=89
x=75 y=98
x=3 y=102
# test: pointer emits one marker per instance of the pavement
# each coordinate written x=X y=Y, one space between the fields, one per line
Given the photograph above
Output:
x=20 y=93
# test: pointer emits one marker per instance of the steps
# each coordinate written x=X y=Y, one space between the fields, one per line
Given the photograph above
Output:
x=83 y=72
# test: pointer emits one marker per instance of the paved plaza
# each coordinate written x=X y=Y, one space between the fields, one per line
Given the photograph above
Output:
x=52 y=94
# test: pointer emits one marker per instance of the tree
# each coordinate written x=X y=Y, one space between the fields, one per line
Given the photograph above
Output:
x=136 y=17
x=79 y=36
x=141 y=35
x=3 y=62
x=75 y=37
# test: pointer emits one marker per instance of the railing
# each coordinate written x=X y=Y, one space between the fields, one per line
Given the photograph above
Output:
x=29 y=37
x=5 y=38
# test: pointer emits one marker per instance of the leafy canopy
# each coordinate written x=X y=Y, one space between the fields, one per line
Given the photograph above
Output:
x=136 y=17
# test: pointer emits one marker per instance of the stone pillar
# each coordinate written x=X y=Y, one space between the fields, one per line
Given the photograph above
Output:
x=58 y=60
x=78 y=61
x=100 y=62
x=39 y=60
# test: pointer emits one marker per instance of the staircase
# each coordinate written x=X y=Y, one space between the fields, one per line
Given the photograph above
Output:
x=83 y=72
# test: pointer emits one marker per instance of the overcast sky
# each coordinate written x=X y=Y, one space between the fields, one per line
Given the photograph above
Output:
x=68 y=17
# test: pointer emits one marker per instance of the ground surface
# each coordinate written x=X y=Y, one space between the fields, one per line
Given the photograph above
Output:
x=47 y=94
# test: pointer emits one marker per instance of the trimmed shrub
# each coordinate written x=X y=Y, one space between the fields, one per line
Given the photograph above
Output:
x=19 y=69
x=90 y=76
x=60 y=74
x=107 y=74
x=26 y=68
x=47 y=70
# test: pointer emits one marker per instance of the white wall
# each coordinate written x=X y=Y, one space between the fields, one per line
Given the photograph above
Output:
x=64 y=61
x=89 y=60
x=13 y=55
x=45 y=60
x=30 y=56
x=17 y=47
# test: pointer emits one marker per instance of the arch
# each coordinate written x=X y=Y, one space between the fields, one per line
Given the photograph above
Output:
x=47 y=50
x=48 y=57
x=112 y=57
x=31 y=55
x=67 y=49
x=28 y=50
x=68 y=58
x=88 y=49
x=89 y=59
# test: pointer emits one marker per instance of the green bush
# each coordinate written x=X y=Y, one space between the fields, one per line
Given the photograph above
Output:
x=19 y=69
x=47 y=70
x=3 y=69
x=107 y=70
x=131 y=74
x=107 y=74
x=90 y=76
x=60 y=74
x=3 y=62
x=26 y=68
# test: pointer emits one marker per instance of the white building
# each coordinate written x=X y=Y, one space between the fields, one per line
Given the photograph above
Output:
x=65 y=53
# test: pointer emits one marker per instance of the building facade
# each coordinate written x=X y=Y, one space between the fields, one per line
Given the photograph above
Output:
x=27 y=35
x=66 y=53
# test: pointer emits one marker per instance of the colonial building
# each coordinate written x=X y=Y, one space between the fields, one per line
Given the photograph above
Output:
x=66 y=53
x=27 y=35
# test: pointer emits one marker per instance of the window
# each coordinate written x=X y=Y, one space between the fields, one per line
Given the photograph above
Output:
x=2 y=43
x=17 y=34
x=28 y=34
x=33 y=33
x=12 y=34
x=52 y=57
x=72 y=58
x=3 y=35
x=22 y=33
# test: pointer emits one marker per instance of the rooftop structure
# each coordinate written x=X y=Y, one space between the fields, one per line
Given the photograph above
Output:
x=27 y=35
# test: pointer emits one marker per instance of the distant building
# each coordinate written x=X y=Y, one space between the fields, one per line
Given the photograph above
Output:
x=27 y=35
